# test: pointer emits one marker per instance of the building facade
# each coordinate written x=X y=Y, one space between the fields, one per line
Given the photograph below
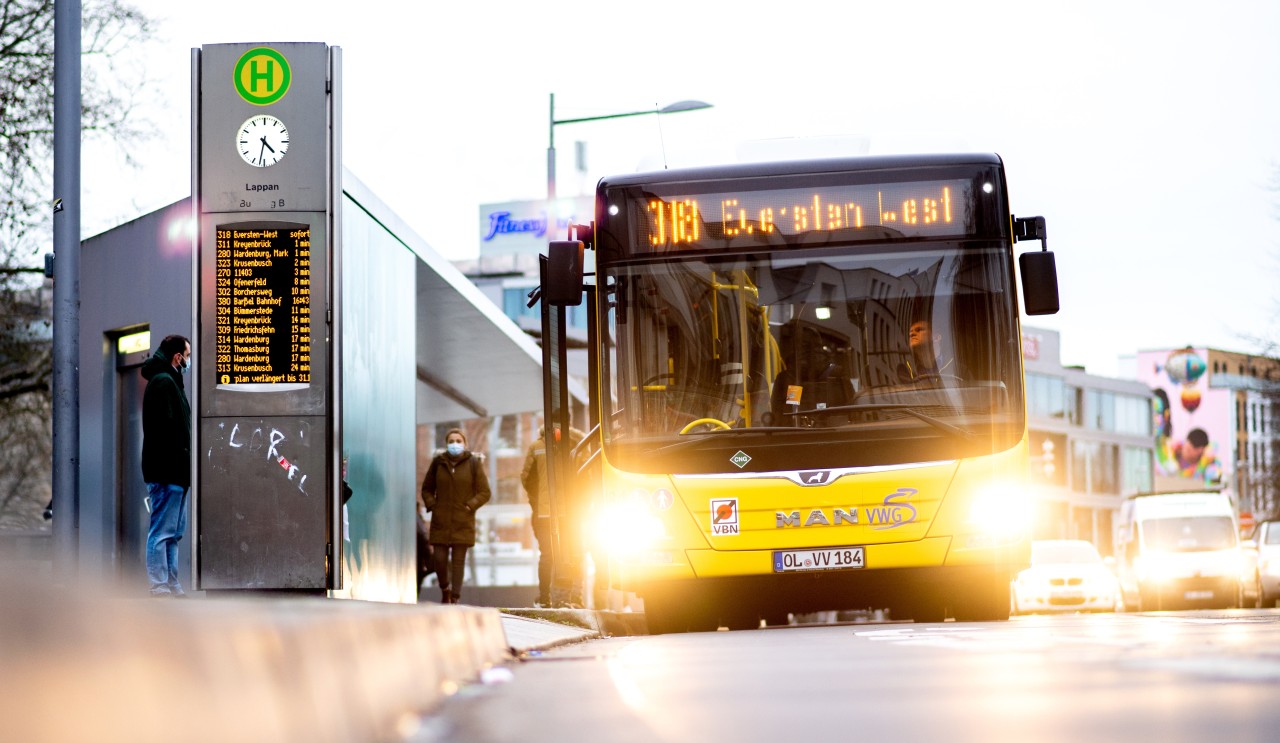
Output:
x=1091 y=443
x=1215 y=417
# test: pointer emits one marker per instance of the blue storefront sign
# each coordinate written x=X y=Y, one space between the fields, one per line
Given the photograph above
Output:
x=527 y=226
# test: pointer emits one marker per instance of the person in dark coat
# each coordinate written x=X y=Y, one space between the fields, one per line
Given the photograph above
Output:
x=453 y=490
x=534 y=479
x=166 y=460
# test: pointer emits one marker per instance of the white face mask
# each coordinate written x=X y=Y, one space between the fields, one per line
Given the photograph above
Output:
x=185 y=365
x=454 y=449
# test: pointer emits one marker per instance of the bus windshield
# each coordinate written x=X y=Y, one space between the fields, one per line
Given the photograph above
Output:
x=890 y=354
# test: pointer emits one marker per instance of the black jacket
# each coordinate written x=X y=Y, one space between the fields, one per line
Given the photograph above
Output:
x=166 y=425
x=452 y=491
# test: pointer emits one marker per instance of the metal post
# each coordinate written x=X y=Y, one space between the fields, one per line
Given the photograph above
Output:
x=66 y=287
x=551 y=151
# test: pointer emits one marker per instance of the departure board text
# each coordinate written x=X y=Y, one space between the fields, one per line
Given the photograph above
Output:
x=263 y=304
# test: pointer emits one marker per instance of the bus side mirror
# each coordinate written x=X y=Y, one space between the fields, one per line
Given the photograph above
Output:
x=1039 y=282
x=564 y=273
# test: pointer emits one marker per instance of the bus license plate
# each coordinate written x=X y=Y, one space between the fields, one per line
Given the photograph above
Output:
x=838 y=558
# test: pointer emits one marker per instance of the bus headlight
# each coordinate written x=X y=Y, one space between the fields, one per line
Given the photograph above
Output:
x=628 y=528
x=1001 y=511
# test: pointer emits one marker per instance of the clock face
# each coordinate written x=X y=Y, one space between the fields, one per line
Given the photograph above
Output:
x=262 y=140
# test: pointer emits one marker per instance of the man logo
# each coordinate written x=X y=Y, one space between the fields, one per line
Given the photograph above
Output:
x=815 y=477
x=818 y=518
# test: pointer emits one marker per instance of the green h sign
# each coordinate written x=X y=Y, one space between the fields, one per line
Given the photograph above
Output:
x=262 y=76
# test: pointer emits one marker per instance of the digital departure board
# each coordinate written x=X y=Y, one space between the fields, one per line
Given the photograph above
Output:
x=669 y=219
x=263 y=303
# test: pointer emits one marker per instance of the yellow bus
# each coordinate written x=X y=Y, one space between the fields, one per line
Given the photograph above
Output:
x=809 y=388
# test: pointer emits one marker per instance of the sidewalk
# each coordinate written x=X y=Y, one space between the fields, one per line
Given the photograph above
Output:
x=84 y=666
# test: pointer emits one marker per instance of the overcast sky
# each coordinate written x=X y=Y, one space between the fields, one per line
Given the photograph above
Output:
x=1147 y=133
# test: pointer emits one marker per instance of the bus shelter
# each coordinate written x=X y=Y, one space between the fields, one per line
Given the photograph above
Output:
x=420 y=345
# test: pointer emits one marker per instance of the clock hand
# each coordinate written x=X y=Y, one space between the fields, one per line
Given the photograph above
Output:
x=269 y=147
x=262 y=153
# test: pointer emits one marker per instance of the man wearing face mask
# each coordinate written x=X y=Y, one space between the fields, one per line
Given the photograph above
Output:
x=453 y=489
x=166 y=461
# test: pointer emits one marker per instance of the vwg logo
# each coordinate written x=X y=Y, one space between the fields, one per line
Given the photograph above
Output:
x=724 y=516
x=894 y=512
x=262 y=76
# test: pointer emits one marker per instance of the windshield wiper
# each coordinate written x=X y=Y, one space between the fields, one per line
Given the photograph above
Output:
x=897 y=407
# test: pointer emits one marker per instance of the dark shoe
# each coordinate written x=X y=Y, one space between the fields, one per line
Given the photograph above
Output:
x=445 y=596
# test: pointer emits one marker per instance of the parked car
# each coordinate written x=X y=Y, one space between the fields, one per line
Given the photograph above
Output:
x=1181 y=550
x=1267 y=540
x=1065 y=575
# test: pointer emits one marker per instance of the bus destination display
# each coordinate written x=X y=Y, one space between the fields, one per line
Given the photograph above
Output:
x=263 y=303
x=711 y=221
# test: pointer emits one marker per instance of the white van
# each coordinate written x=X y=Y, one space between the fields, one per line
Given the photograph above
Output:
x=1179 y=551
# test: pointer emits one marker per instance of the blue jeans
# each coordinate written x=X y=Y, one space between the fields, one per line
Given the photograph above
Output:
x=168 y=523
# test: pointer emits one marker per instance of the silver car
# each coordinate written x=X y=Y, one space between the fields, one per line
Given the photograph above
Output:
x=1267 y=538
x=1065 y=575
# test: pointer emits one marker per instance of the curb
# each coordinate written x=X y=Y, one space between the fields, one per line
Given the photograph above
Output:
x=595 y=623
x=81 y=665
x=530 y=631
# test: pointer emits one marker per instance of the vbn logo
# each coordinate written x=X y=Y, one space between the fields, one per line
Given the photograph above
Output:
x=724 y=516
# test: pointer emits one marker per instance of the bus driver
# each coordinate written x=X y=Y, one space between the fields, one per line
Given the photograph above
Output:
x=926 y=353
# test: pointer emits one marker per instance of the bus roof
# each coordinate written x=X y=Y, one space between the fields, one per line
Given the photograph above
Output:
x=796 y=167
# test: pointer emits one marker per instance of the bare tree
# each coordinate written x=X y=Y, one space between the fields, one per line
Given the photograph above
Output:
x=109 y=27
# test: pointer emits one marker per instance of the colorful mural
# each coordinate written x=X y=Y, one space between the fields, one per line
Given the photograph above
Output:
x=1191 y=420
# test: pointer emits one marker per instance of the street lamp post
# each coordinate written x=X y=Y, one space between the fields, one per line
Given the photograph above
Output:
x=551 y=146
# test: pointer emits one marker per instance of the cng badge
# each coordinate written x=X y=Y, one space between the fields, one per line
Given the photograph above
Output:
x=740 y=459
x=724 y=516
